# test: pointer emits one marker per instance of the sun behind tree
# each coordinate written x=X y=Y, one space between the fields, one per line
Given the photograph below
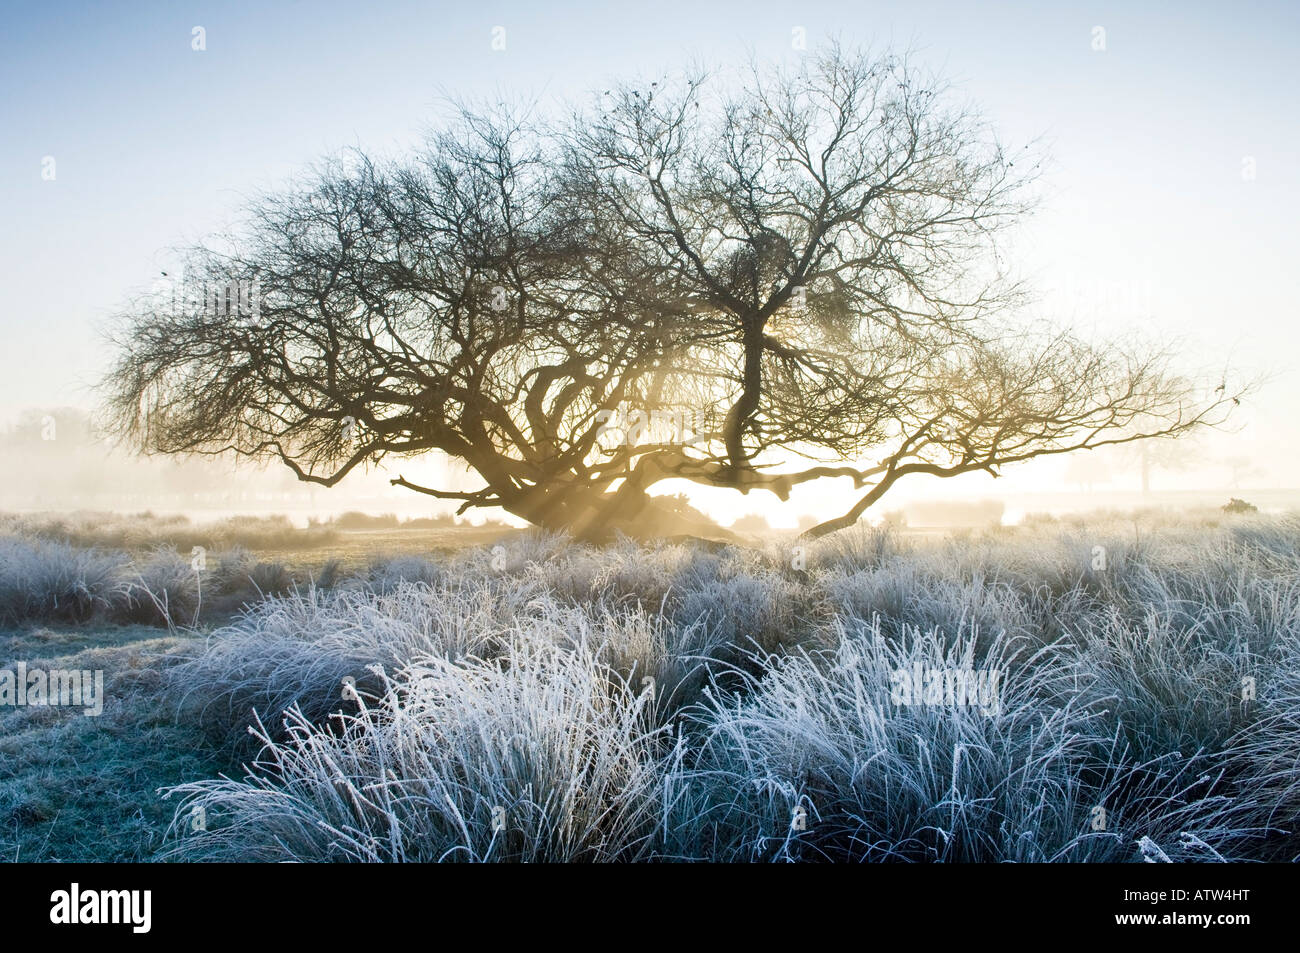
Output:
x=748 y=286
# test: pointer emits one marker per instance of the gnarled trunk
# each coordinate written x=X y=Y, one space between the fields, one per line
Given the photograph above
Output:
x=598 y=517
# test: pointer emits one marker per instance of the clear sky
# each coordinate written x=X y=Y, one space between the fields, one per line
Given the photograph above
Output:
x=1171 y=203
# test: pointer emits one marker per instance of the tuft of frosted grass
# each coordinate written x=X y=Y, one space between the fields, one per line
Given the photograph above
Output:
x=669 y=664
x=819 y=735
x=386 y=575
x=858 y=547
x=624 y=571
x=747 y=611
x=910 y=597
x=1167 y=687
x=1266 y=752
x=42 y=580
x=1276 y=539
x=240 y=574
x=545 y=758
x=165 y=589
x=521 y=554
x=295 y=651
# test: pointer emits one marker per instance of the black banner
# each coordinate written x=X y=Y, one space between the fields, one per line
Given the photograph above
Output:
x=933 y=903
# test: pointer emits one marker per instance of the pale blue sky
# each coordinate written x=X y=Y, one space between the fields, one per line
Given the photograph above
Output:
x=1147 y=208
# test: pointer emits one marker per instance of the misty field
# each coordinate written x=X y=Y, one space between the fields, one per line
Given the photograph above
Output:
x=1103 y=689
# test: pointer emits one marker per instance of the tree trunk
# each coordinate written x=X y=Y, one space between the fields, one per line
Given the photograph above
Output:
x=595 y=517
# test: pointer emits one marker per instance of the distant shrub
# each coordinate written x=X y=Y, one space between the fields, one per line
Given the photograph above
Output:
x=806 y=522
x=438 y=521
x=680 y=504
x=894 y=519
x=753 y=523
x=1235 y=505
x=954 y=513
x=1038 y=519
x=356 y=520
x=145 y=532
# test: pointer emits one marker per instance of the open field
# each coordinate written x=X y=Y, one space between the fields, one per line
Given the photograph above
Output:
x=1103 y=689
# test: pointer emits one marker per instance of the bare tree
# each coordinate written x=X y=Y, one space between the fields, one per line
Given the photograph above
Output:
x=1168 y=455
x=805 y=266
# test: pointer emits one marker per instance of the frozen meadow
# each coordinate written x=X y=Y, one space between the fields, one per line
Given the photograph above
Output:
x=1134 y=694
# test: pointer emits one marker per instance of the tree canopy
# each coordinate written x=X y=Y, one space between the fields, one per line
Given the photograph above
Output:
x=750 y=286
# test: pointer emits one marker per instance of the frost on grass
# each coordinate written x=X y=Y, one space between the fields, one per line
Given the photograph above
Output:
x=550 y=701
x=545 y=757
